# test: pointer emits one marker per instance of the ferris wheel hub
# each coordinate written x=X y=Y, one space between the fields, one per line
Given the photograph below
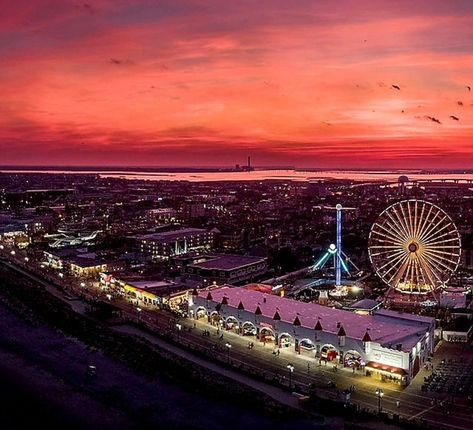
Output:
x=413 y=247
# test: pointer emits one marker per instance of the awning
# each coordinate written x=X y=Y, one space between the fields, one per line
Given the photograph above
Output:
x=385 y=368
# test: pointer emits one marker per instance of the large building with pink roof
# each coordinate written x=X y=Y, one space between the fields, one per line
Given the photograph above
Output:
x=387 y=345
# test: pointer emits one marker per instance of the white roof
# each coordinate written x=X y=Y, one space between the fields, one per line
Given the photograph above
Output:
x=145 y=285
x=386 y=328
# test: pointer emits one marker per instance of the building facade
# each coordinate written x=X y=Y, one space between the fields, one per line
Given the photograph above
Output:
x=225 y=268
x=387 y=345
x=163 y=245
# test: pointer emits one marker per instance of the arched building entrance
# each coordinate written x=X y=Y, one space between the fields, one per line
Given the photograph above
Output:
x=353 y=359
x=285 y=340
x=328 y=352
x=200 y=312
x=248 y=329
x=307 y=347
x=266 y=335
x=232 y=324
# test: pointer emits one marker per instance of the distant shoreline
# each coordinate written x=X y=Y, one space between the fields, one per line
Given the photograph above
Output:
x=281 y=174
x=209 y=169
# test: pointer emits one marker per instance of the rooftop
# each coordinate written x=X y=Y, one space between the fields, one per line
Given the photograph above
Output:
x=365 y=304
x=170 y=235
x=227 y=262
x=385 y=327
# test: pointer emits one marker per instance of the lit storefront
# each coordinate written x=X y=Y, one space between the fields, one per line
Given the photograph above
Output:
x=147 y=293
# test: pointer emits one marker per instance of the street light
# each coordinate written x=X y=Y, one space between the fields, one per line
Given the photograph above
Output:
x=27 y=259
x=61 y=275
x=379 y=393
x=82 y=284
x=179 y=328
x=229 y=346
x=290 y=367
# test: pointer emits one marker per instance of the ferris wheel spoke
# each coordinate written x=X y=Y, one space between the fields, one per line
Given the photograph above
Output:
x=441 y=242
x=393 y=262
x=386 y=234
x=439 y=250
x=431 y=228
x=446 y=225
x=403 y=220
x=396 y=263
x=417 y=219
x=445 y=254
x=399 y=272
x=428 y=225
x=386 y=246
x=418 y=271
x=437 y=236
x=432 y=267
x=438 y=258
x=436 y=230
x=427 y=271
x=409 y=212
x=436 y=264
x=389 y=251
x=442 y=261
x=423 y=223
x=395 y=230
x=408 y=276
x=444 y=246
x=398 y=228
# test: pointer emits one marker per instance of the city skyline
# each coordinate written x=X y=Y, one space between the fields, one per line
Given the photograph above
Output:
x=356 y=85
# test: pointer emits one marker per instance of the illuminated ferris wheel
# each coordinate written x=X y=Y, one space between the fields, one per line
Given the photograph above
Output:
x=414 y=246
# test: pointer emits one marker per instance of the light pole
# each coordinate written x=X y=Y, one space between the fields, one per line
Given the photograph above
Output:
x=290 y=367
x=138 y=309
x=179 y=328
x=229 y=346
x=379 y=393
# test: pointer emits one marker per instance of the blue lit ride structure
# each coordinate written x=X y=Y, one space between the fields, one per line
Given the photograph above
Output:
x=340 y=259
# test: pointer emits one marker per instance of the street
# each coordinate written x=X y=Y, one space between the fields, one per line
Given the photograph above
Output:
x=285 y=368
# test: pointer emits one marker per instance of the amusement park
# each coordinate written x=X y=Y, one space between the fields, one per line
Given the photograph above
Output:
x=329 y=312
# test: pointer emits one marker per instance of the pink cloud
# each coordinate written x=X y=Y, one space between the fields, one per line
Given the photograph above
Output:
x=307 y=84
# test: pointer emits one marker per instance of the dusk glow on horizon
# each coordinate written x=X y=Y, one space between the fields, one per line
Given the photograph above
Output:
x=347 y=84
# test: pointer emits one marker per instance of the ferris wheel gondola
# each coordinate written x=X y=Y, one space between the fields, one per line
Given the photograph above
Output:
x=414 y=246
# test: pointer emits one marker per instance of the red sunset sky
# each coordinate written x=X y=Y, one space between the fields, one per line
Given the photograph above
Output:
x=305 y=83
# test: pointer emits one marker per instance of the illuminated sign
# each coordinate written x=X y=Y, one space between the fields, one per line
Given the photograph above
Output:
x=385 y=357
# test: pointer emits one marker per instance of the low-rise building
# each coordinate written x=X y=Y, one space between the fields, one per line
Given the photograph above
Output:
x=387 y=345
x=162 y=245
x=81 y=266
x=225 y=268
x=146 y=292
